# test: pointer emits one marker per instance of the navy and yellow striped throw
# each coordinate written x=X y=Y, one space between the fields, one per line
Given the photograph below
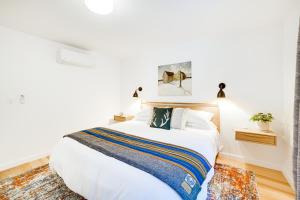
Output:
x=182 y=169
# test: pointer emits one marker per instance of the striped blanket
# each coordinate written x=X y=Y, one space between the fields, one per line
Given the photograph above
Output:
x=182 y=169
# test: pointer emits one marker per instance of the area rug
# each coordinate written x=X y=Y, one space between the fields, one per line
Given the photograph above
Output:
x=228 y=183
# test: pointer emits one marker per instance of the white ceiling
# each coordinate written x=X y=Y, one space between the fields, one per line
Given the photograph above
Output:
x=138 y=24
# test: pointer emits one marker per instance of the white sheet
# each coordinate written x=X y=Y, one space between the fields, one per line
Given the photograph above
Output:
x=97 y=176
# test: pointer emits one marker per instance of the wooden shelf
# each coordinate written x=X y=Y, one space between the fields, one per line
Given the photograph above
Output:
x=123 y=118
x=256 y=136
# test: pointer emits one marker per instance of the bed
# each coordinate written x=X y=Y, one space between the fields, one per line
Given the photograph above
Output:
x=95 y=175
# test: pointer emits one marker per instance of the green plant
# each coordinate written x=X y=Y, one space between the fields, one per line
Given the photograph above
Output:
x=262 y=117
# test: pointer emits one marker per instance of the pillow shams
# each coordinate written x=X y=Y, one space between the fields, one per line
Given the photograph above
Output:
x=200 y=119
x=179 y=118
x=203 y=125
x=144 y=115
x=195 y=115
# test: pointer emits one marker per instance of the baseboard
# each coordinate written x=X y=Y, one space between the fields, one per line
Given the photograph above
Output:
x=252 y=161
x=5 y=166
x=289 y=178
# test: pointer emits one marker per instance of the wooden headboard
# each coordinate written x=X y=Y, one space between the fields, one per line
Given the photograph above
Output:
x=213 y=108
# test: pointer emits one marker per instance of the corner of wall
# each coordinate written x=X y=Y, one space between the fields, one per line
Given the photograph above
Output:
x=287 y=168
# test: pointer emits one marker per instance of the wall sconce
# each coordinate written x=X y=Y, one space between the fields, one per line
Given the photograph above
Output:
x=135 y=94
x=221 y=93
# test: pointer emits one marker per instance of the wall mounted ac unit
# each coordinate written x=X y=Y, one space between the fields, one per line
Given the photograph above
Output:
x=75 y=57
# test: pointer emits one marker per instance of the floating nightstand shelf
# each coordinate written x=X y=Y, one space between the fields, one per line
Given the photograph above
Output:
x=123 y=118
x=256 y=136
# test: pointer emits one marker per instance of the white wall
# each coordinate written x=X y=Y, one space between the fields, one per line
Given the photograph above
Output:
x=249 y=63
x=59 y=99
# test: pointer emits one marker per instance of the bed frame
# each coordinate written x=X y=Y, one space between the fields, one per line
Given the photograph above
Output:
x=214 y=108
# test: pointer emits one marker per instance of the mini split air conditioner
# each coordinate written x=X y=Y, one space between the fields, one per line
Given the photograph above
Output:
x=75 y=57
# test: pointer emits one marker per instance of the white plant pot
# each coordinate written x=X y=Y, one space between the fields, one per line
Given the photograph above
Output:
x=263 y=126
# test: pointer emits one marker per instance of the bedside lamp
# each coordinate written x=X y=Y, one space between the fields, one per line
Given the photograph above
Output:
x=135 y=94
x=221 y=93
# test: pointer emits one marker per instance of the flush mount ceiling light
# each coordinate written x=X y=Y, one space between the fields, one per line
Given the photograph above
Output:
x=102 y=7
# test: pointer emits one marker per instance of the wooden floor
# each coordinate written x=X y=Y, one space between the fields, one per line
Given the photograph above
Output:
x=23 y=168
x=272 y=185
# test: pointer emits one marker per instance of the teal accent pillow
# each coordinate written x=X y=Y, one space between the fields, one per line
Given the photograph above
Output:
x=161 y=118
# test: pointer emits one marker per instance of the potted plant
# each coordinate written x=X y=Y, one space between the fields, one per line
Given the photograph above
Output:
x=263 y=120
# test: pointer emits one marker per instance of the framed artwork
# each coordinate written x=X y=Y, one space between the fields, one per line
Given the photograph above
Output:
x=175 y=79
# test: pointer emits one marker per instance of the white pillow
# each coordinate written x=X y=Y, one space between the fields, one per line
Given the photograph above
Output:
x=200 y=120
x=203 y=125
x=179 y=118
x=193 y=116
x=144 y=115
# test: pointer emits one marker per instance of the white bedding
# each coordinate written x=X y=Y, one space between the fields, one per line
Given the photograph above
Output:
x=97 y=176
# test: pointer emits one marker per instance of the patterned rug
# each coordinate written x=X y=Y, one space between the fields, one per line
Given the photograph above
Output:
x=228 y=183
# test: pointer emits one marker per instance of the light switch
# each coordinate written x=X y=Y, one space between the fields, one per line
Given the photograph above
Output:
x=22 y=99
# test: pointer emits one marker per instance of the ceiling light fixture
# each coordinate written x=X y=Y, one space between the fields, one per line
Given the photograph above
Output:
x=102 y=7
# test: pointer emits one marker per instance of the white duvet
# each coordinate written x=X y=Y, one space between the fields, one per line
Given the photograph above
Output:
x=97 y=176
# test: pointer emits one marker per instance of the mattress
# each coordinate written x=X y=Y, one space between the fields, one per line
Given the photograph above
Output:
x=97 y=176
